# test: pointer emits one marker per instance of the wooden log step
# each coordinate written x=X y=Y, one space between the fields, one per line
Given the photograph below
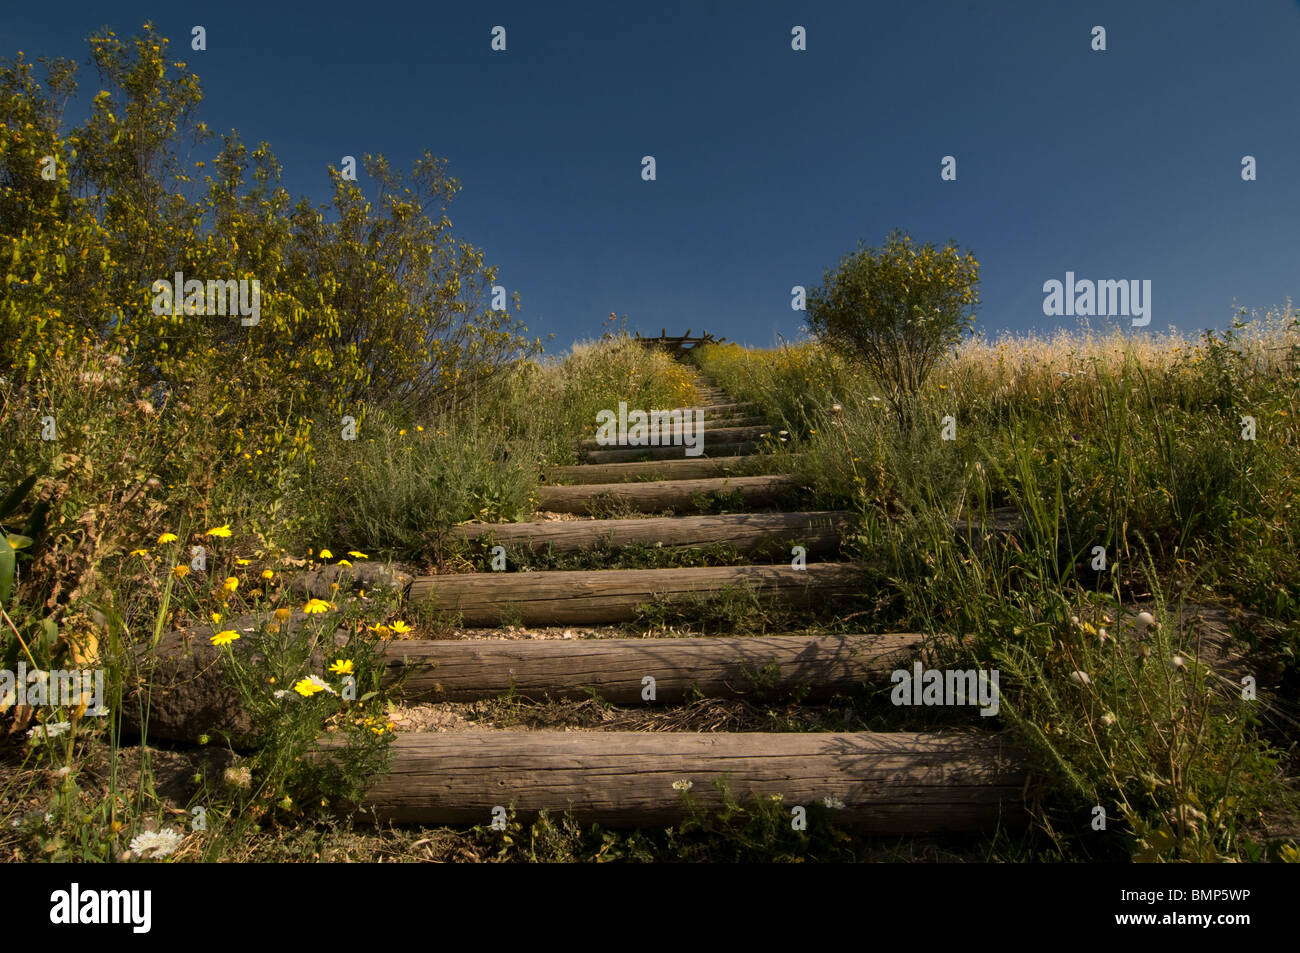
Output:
x=678 y=495
x=187 y=696
x=687 y=468
x=558 y=597
x=889 y=783
x=719 y=667
x=630 y=454
x=721 y=408
x=707 y=438
x=721 y=422
x=817 y=532
x=710 y=424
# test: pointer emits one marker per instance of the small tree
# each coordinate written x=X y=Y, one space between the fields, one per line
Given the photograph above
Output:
x=896 y=311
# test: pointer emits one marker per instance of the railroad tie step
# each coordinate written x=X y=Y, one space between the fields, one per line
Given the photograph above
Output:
x=685 y=469
x=617 y=669
x=187 y=698
x=886 y=783
x=708 y=447
x=678 y=495
x=706 y=438
x=818 y=532
x=559 y=597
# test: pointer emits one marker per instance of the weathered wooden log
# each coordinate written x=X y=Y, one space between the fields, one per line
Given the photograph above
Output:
x=187 y=696
x=684 y=469
x=711 y=422
x=614 y=595
x=679 y=495
x=707 y=437
x=719 y=408
x=817 y=532
x=629 y=454
x=716 y=667
x=889 y=783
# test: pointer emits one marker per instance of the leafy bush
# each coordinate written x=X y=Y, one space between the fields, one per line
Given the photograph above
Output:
x=371 y=301
x=896 y=310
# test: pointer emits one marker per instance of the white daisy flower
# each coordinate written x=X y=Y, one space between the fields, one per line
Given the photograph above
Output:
x=52 y=730
x=683 y=785
x=833 y=803
x=155 y=843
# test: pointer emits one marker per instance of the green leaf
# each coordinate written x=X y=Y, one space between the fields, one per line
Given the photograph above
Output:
x=18 y=542
x=6 y=570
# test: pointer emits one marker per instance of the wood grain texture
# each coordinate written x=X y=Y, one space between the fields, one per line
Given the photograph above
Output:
x=613 y=595
x=717 y=667
x=817 y=532
x=188 y=696
x=679 y=495
x=890 y=783
x=629 y=454
x=707 y=438
x=687 y=468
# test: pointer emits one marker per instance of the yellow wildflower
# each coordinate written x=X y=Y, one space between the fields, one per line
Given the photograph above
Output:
x=326 y=554
x=243 y=562
x=215 y=617
x=219 y=531
x=224 y=638
x=310 y=685
x=231 y=584
x=399 y=627
x=282 y=615
x=168 y=538
x=343 y=562
x=139 y=552
x=356 y=555
x=181 y=571
x=342 y=667
x=267 y=574
x=314 y=606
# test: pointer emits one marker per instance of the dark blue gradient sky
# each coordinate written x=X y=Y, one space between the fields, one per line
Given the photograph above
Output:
x=772 y=164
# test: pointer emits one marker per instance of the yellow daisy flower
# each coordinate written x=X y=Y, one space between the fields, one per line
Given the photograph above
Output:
x=400 y=627
x=219 y=531
x=224 y=638
x=181 y=571
x=356 y=555
x=307 y=687
x=168 y=538
x=231 y=584
x=342 y=667
x=326 y=554
x=267 y=574
x=139 y=552
x=314 y=606
x=282 y=615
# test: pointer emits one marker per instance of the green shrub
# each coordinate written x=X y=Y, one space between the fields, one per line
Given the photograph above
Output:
x=896 y=311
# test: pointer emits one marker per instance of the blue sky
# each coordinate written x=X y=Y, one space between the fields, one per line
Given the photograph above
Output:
x=772 y=164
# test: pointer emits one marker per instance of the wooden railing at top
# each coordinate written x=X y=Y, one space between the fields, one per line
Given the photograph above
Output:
x=677 y=346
